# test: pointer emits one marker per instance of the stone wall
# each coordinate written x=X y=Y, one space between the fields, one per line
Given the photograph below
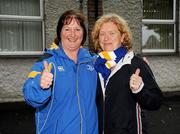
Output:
x=131 y=10
x=167 y=71
x=178 y=15
x=13 y=73
x=53 y=10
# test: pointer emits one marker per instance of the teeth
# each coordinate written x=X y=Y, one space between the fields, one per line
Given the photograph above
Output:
x=73 y=40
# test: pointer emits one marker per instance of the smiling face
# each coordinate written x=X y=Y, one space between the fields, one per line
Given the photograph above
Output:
x=71 y=36
x=109 y=37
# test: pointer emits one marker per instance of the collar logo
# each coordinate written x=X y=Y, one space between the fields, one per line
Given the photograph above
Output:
x=90 y=68
x=61 y=68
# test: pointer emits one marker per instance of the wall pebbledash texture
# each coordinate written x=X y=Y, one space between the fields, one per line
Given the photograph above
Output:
x=14 y=71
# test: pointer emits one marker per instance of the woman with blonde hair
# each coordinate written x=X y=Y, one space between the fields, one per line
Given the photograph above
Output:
x=126 y=83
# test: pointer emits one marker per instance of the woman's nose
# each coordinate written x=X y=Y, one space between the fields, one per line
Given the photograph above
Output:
x=106 y=37
x=72 y=33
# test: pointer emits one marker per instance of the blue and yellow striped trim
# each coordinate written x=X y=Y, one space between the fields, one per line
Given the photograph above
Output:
x=33 y=74
x=53 y=46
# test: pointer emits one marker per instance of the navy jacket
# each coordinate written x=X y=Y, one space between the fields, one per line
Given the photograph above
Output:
x=120 y=110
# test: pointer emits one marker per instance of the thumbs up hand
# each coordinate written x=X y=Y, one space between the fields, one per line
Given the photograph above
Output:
x=46 y=77
x=135 y=81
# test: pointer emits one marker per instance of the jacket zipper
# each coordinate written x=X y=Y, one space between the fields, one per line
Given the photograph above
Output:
x=103 y=115
x=104 y=103
x=78 y=97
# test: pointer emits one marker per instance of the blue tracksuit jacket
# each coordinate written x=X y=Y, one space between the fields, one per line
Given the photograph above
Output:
x=68 y=106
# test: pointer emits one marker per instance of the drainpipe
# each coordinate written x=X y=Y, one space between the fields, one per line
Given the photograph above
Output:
x=96 y=9
x=81 y=5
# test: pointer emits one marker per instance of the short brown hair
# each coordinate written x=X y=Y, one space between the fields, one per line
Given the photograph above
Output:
x=66 y=19
x=121 y=25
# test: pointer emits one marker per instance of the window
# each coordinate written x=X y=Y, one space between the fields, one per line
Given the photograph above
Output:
x=21 y=27
x=158 y=30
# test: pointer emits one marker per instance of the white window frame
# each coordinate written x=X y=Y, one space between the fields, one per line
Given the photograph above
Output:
x=27 y=18
x=161 y=21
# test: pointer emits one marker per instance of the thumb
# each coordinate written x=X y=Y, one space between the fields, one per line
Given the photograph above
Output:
x=46 y=65
x=137 y=72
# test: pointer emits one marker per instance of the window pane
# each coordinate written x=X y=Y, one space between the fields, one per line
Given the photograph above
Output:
x=20 y=36
x=158 y=36
x=20 y=7
x=157 y=9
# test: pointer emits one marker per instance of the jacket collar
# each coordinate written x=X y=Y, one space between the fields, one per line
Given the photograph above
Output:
x=83 y=54
x=126 y=60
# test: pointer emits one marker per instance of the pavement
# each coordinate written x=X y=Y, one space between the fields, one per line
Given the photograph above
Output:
x=167 y=119
x=18 y=118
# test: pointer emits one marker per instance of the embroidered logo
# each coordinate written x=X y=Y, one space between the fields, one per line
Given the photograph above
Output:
x=60 y=68
x=90 y=68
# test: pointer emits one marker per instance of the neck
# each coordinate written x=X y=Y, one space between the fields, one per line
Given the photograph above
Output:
x=72 y=55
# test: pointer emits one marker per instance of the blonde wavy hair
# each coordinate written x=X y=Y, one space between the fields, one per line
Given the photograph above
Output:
x=121 y=24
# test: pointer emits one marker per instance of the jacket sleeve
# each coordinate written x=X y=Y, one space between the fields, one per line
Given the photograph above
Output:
x=34 y=95
x=150 y=97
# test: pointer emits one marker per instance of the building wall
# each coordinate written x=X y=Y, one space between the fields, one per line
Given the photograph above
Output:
x=131 y=10
x=178 y=15
x=13 y=71
x=53 y=10
x=95 y=9
x=165 y=68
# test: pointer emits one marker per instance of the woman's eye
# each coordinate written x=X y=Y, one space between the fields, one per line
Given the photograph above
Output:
x=66 y=29
x=112 y=33
x=78 y=29
x=101 y=34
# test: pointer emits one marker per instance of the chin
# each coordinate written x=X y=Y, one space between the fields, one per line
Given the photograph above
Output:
x=108 y=49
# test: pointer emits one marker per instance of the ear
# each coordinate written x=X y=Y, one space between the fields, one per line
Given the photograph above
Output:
x=122 y=38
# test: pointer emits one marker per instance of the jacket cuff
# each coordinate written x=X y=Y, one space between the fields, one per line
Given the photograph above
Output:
x=140 y=88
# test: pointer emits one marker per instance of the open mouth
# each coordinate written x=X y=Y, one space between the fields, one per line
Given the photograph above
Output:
x=72 y=39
